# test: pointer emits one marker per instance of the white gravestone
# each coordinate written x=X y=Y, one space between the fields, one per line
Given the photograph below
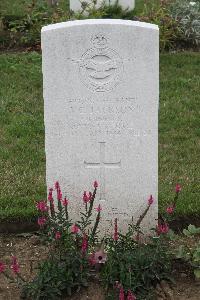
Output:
x=75 y=5
x=101 y=94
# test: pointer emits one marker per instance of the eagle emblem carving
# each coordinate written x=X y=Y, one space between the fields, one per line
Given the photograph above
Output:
x=100 y=67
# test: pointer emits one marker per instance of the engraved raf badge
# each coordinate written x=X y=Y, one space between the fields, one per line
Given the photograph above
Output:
x=100 y=67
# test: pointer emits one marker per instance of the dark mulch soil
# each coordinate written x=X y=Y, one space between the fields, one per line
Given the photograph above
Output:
x=18 y=227
x=29 y=251
x=22 y=226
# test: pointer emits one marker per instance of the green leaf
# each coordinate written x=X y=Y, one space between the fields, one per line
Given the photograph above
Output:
x=197 y=273
x=192 y=229
x=186 y=232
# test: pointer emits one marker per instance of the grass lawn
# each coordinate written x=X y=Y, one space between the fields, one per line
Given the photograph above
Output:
x=20 y=7
x=179 y=129
x=22 y=156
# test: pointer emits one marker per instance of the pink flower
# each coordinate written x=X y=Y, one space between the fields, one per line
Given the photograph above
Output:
x=84 y=245
x=41 y=221
x=162 y=228
x=170 y=209
x=42 y=206
x=130 y=296
x=95 y=184
x=50 y=195
x=99 y=208
x=57 y=235
x=59 y=194
x=86 y=198
x=74 y=228
x=98 y=257
x=121 y=294
x=57 y=185
x=178 y=188
x=15 y=266
x=65 y=202
x=116 y=235
x=2 y=267
x=150 y=200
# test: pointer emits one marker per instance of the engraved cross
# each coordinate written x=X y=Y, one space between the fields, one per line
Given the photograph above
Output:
x=102 y=165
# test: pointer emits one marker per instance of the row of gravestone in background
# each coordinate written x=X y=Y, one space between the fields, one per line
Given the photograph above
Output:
x=75 y=5
x=101 y=89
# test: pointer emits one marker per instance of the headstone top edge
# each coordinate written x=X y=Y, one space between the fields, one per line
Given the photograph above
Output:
x=99 y=22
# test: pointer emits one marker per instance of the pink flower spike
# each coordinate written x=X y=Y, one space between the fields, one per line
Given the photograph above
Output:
x=121 y=294
x=86 y=199
x=41 y=221
x=65 y=202
x=130 y=296
x=59 y=194
x=150 y=200
x=178 y=188
x=162 y=228
x=57 y=235
x=57 y=185
x=42 y=206
x=170 y=209
x=84 y=245
x=2 y=267
x=74 y=228
x=50 y=195
x=14 y=265
x=99 y=208
x=95 y=184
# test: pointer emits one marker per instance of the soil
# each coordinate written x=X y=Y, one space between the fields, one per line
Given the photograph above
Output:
x=29 y=250
x=21 y=226
x=18 y=227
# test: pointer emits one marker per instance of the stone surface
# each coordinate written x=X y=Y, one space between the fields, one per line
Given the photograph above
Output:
x=75 y=5
x=101 y=94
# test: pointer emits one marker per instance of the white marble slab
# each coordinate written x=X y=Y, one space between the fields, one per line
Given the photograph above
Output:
x=101 y=93
x=75 y=5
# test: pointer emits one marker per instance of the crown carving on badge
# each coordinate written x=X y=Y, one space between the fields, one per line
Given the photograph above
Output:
x=99 y=40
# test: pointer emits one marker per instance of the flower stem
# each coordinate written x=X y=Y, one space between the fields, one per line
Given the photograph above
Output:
x=95 y=225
